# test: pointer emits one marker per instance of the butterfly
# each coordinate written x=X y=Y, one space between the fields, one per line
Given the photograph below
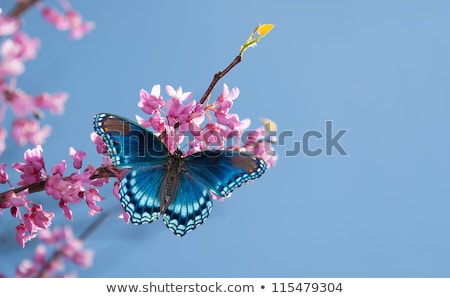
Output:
x=168 y=185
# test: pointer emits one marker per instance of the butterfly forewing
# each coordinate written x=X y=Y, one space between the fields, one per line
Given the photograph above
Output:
x=128 y=143
x=224 y=171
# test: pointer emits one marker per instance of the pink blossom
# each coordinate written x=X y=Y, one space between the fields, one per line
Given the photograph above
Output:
x=20 y=46
x=178 y=94
x=3 y=134
x=33 y=167
x=151 y=103
x=21 y=103
x=212 y=135
x=92 y=197
x=78 y=28
x=99 y=145
x=57 y=19
x=11 y=67
x=3 y=174
x=66 y=248
x=64 y=205
x=37 y=219
x=52 y=102
x=155 y=121
x=257 y=144
x=22 y=236
x=77 y=157
x=59 y=168
x=73 y=249
x=225 y=100
x=18 y=199
x=8 y=25
x=61 y=189
x=71 y=20
x=29 y=131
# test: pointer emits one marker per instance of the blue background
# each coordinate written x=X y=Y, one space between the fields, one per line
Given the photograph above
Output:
x=380 y=69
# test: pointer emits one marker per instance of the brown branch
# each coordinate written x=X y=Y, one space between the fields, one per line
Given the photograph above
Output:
x=21 y=7
x=218 y=76
x=101 y=172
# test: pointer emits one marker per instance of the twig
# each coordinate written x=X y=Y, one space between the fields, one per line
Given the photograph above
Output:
x=218 y=76
x=21 y=7
x=102 y=172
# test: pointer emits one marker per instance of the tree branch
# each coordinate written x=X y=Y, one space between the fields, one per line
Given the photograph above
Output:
x=21 y=7
x=219 y=76
x=101 y=172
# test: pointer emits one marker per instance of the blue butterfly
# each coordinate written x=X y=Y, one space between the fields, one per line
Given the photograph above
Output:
x=163 y=184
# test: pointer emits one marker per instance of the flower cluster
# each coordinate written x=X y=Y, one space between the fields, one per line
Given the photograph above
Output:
x=66 y=189
x=69 y=19
x=66 y=248
x=16 y=47
x=177 y=118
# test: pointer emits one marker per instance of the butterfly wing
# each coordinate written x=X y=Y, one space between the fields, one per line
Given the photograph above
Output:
x=222 y=171
x=128 y=143
x=190 y=208
x=139 y=193
x=216 y=171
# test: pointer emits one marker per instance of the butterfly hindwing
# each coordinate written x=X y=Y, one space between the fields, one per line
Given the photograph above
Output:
x=128 y=143
x=139 y=193
x=190 y=208
x=222 y=171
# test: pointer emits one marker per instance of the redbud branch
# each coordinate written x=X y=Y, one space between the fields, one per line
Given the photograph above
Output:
x=21 y=7
x=101 y=172
x=218 y=76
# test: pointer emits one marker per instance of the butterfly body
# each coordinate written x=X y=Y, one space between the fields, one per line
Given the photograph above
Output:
x=160 y=184
x=169 y=186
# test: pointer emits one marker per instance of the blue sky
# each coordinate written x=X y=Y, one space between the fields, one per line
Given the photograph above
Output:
x=379 y=69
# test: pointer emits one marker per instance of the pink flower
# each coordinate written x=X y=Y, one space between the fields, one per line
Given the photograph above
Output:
x=92 y=197
x=258 y=145
x=21 y=103
x=71 y=20
x=155 y=121
x=52 y=102
x=225 y=100
x=77 y=157
x=99 y=145
x=29 y=131
x=64 y=205
x=33 y=168
x=8 y=25
x=22 y=236
x=66 y=248
x=151 y=103
x=18 y=199
x=212 y=135
x=59 y=168
x=57 y=19
x=66 y=190
x=78 y=28
x=37 y=219
x=73 y=249
x=3 y=134
x=11 y=67
x=20 y=46
x=3 y=174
